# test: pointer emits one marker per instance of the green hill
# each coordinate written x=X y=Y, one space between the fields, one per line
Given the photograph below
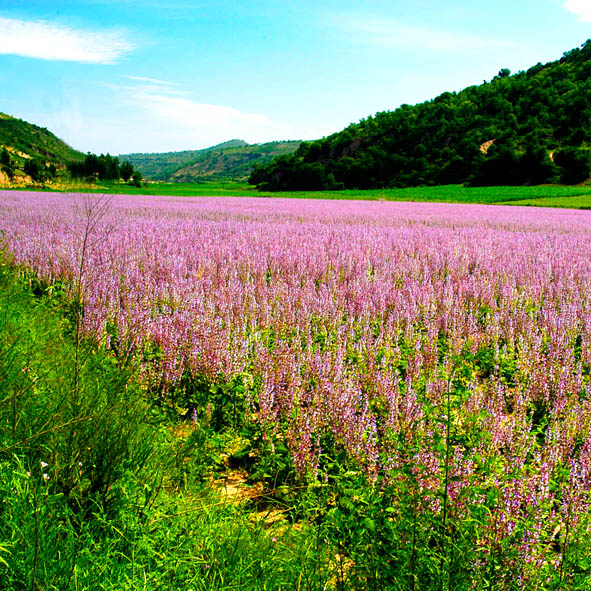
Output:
x=529 y=128
x=26 y=148
x=35 y=141
x=231 y=160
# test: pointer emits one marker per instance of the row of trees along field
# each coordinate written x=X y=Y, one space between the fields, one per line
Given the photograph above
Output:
x=532 y=127
x=105 y=168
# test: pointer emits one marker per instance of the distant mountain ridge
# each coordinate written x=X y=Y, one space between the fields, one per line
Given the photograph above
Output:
x=532 y=127
x=231 y=160
x=30 y=153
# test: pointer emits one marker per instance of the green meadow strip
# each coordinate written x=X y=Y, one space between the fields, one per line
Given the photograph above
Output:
x=541 y=196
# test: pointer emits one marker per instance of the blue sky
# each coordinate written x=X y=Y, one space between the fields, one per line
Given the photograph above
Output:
x=161 y=75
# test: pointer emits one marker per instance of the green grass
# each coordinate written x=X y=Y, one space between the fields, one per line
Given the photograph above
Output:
x=450 y=194
x=210 y=189
x=543 y=196
x=102 y=489
x=582 y=201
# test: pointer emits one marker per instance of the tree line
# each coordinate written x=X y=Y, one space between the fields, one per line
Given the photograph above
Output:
x=532 y=127
x=106 y=168
x=92 y=167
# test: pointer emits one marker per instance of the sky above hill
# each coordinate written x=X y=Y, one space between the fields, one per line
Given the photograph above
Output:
x=163 y=75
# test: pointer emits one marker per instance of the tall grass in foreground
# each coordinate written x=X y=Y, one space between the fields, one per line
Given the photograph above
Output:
x=91 y=496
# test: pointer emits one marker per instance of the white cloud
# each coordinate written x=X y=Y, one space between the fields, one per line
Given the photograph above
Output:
x=395 y=35
x=202 y=124
x=189 y=113
x=43 y=40
x=582 y=8
x=148 y=117
x=150 y=80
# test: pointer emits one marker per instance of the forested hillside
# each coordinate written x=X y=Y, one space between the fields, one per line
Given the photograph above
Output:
x=28 y=151
x=532 y=127
x=35 y=141
x=231 y=160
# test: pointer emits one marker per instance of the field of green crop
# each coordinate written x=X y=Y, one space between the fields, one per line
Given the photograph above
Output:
x=541 y=196
x=581 y=201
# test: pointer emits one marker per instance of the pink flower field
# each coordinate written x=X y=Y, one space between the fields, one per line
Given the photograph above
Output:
x=445 y=348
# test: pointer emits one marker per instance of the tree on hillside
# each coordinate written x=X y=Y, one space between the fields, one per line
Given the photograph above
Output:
x=6 y=163
x=5 y=157
x=136 y=178
x=126 y=171
x=574 y=163
x=35 y=169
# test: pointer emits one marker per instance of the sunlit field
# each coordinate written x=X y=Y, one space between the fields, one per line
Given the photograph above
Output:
x=578 y=196
x=441 y=352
